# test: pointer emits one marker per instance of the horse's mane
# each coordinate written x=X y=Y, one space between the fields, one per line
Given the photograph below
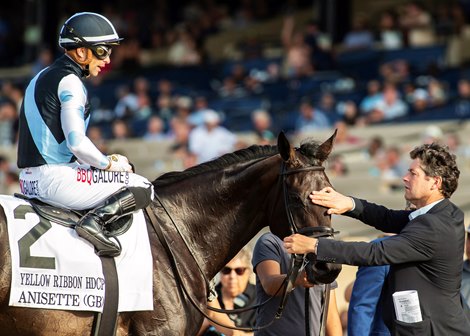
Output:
x=253 y=152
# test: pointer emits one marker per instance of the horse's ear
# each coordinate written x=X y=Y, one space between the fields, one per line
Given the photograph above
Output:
x=283 y=146
x=326 y=147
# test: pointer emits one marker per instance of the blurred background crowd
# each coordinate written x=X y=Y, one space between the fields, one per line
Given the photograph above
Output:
x=196 y=79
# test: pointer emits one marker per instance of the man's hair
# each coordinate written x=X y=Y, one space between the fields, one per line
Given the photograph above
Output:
x=436 y=160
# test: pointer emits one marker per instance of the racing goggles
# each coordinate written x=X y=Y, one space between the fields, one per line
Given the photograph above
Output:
x=101 y=51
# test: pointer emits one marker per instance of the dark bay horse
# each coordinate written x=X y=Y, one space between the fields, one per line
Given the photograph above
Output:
x=207 y=214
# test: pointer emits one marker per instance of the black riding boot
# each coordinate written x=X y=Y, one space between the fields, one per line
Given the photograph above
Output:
x=91 y=226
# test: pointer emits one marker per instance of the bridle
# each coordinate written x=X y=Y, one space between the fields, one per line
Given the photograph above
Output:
x=296 y=262
x=299 y=260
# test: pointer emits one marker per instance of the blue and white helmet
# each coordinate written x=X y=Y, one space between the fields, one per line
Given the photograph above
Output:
x=87 y=28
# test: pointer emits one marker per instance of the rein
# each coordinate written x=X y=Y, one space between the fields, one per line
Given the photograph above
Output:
x=297 y=261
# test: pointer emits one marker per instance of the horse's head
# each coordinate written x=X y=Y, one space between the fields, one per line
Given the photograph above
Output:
x=302 y=172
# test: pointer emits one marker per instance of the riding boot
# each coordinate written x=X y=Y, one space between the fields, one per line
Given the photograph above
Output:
x=92 y=226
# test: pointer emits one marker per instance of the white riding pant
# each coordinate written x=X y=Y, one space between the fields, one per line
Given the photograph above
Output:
x=75 y=186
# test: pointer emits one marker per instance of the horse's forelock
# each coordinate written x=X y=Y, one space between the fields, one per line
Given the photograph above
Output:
x=310 y=149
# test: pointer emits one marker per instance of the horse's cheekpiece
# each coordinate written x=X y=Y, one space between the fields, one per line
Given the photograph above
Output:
x=69 y=218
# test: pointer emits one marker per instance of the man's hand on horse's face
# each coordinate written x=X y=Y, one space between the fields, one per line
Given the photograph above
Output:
x=300 y=244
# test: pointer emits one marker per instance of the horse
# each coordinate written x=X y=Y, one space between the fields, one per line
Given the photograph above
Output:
x=206 y=213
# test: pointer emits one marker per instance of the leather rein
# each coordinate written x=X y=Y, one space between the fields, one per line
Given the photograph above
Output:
x=297 y=261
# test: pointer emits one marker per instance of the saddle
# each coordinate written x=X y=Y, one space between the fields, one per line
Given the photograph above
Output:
x=69 y=217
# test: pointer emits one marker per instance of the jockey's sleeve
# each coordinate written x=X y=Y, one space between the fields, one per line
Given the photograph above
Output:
x=73 y=97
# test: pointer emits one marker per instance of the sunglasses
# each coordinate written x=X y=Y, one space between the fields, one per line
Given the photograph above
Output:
x=238 y=270
x=101 y=51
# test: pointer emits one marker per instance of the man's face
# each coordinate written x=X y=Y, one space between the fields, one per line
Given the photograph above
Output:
x=418 y=186
x=96 y=64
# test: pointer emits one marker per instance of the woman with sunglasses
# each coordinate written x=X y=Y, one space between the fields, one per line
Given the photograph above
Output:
x=60 y=164
x=235 y=291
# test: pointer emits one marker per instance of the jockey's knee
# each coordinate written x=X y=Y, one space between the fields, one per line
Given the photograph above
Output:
x=143 y=196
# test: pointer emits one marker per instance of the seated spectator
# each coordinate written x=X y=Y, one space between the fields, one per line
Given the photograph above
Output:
x=390 y=107
x=155 y=129
x=389 y=34
x=327 y=104
x=235 y=291
x=127 y=104
x=420 y=100
x=374 y=95
x=417 y=24
x=262 y=124
x=436 y=92
x=348 y=113
x=396 y=71
x=360 y=36
x=392 y=169
x=196 y=118
x=95 y=134
x=184 y=51
x=462 y=102
x=337 y=166
x=310 y=118
x=8 y=120
x=211 y=140
x=120 y=130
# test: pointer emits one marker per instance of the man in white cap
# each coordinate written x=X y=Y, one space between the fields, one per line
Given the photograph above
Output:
x=211 y=140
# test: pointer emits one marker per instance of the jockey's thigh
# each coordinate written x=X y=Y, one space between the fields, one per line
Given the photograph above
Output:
x=75 y=186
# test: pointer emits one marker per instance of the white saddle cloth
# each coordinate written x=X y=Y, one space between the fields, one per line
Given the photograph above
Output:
x=55 y=269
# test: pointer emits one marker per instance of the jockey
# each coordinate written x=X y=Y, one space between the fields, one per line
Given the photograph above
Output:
x=60 y=165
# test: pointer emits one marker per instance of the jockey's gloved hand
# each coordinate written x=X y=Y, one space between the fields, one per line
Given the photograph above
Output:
x=118 y=162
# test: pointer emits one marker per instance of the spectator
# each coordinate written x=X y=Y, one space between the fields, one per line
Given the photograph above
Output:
x=417 y=24
x=297 y=54
x=389 y=35
x=348 y=113
x=127 y=104
x=327 y=104
x=183 y=51
x=390 y=107
x=234 y=291
x=364 y=312
x=374 y=95
x=337 y=166
x=310 y=119
x=183 y=107
x=44 y=59
x=360 y=36
x=8 y=121
x=196 y=118
x=465 y=286
x=271 y=264
x=462 y=103
x=262 y=124
x=320 y=46
x=427 y=248
x=155 y=129
x=120 y=130
x=95 y=134
x=211 y=140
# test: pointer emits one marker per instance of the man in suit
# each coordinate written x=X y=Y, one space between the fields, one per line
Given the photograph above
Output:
x=425 y=254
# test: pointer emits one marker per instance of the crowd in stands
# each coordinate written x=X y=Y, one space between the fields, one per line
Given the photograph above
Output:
x=391 y=70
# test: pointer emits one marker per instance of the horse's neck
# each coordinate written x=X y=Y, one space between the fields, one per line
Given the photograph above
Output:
x=223 y=211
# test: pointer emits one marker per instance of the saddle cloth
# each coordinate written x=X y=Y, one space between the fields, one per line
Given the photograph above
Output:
x=53 y=268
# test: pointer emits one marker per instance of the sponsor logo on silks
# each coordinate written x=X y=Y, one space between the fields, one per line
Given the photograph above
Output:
x=101 y=176
x=28 y=171
x=29 y=188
